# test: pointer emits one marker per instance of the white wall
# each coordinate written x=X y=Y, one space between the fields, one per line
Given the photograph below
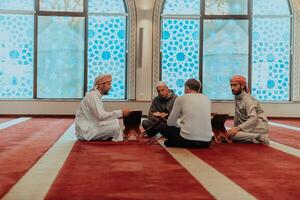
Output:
x=144 y=71
x=39 y=107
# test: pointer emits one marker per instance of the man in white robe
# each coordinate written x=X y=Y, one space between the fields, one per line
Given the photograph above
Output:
x=92 y=122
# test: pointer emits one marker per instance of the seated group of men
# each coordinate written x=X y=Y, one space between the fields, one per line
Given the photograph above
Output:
x=184 y=121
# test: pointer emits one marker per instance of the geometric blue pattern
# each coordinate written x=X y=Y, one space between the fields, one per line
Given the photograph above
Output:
x=180 y=52
x=16 y=56
x=106 y=6
x=60 y=63
x=271 y=7
x=60 y=58
x=182 y=7
x=271 y=50
x=107 y=52
x=24 y=5
x=61 y=5
x=226 y=7
x=270 y=80
x=225 y=53
x=271 y=58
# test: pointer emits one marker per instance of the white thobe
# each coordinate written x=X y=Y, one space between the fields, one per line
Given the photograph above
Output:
x=92 y=122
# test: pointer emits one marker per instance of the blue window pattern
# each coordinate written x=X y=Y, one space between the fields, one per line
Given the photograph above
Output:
x=225 y=53
x=26 y=5
x=271 y=7
x=180 y=52
x=271 y=58
x=61 y=5
x=60 y=57
x=106 y=6
x=181 y=7
x=226 y=7
x=107 y=52
x=16 y=56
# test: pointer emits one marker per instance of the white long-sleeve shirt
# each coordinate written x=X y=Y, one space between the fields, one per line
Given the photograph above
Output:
x=92 y=122
x=193 y=110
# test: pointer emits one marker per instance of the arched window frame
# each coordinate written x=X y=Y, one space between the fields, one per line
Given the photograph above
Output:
x=130 y=50
x=294 y=88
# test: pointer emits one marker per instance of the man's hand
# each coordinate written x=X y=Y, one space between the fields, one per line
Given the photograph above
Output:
x=160 y=114
x=232 y=132
x=156 y=114
x=125 y=112
x=164 y=115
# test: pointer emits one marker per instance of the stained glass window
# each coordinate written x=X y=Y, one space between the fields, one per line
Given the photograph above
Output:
x=271 y=7
x=225 y=53
x=60 y=57
x=180 y=52
x=61 y=5
x=16 y=56
x=60 y=47
x=107 y=52
x=106 y=6
x=182 y=7
x=226 y=7
x=271 y=50
x=107 y=43
x=24 y=5
x=225 y=46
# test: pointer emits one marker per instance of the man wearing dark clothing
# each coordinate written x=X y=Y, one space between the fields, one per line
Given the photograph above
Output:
x=189 y=123
x=161 y=105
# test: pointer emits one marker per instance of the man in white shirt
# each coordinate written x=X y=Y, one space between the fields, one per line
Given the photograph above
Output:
x=192 y=110
x=92 y=122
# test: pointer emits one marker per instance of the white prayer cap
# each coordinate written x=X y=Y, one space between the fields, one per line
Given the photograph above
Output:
x=160 y=83
x=101 y=78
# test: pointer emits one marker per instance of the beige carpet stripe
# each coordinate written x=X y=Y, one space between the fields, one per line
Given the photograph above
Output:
x=38 y=180
x=13 y=122
x=285 y=149
x=294 y=128
x=282 y=147
x=213 y=181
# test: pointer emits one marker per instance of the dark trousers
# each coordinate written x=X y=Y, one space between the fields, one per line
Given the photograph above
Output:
x=147 y=123
x=174 y=139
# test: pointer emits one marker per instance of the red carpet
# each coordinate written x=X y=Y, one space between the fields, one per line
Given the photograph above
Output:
x=290 y=122
x=281 y=135
x=23 y=144
x=262 y=171
x=285 y=136
x=6 y=119
x=229 y=123
x=99 y=170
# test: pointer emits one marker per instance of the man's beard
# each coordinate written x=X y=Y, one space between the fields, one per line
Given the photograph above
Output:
x=105 y=93
x=237 y=92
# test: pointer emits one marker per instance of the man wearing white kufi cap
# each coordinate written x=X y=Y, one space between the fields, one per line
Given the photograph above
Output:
x=161 y=105
x=92 y=122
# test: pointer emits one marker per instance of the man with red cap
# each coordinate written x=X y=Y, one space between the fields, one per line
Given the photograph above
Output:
x=250 y=121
